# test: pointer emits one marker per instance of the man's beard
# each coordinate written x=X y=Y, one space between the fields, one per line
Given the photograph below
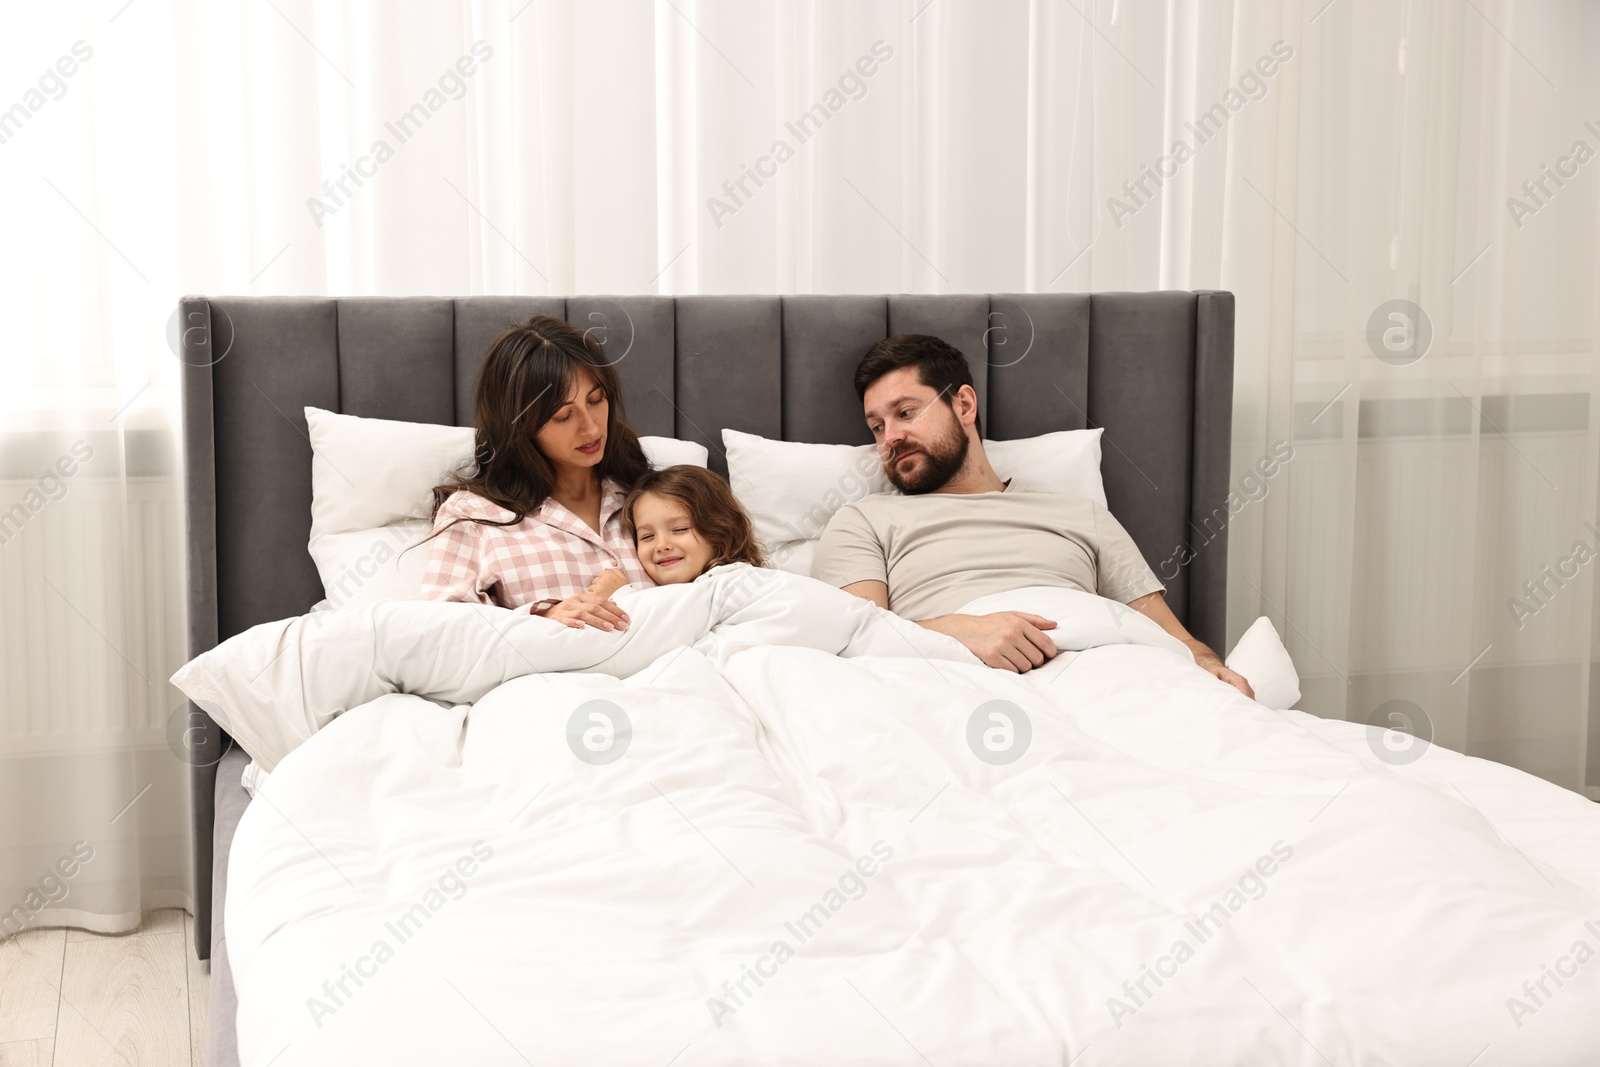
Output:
x=942 y=458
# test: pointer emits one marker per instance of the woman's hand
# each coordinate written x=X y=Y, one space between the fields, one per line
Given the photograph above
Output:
x=587 y=609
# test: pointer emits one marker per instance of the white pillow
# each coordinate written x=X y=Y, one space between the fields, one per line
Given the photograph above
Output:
x=367 y=473
x=1065 y=463
x=1260 y=656
x=791 y=490
x=372 y=496
x=664 y=452
x=361 y=567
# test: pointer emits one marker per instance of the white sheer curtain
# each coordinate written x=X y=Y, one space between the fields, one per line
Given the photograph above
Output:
x=1338 y=157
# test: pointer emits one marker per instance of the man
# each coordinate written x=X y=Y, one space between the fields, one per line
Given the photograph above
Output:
x=959 y=532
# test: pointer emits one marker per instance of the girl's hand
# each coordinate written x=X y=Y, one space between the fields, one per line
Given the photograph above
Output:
x=587 y=609
x=608 y=581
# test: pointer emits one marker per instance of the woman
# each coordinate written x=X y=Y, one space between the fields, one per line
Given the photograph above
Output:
x=541 y=512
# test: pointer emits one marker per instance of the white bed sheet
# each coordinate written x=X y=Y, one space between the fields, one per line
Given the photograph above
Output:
x=1359 y=912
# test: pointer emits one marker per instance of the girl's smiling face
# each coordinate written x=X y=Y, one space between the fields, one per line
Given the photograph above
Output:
x=670 y=549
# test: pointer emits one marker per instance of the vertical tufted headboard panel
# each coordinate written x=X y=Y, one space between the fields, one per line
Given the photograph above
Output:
x=1154 y=369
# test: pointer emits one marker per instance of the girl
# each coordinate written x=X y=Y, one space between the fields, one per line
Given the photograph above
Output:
x=684 y=521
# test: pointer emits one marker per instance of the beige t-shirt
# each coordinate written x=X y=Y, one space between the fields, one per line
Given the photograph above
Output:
x=938 y=551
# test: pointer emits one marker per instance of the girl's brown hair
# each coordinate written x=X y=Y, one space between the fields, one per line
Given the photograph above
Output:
x=525 y=378
x=713 y=509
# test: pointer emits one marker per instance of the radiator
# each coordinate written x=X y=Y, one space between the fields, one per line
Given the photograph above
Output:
x=1446 y=531
x=91 y=613
x=1399 y=602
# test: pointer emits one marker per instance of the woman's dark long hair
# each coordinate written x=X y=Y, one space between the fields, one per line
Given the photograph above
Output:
x=525 y=378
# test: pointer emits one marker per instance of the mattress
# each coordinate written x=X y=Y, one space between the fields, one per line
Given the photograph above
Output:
x=222 y=1045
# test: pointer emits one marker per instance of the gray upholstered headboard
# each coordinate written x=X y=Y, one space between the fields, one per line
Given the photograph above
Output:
x=1154 y=369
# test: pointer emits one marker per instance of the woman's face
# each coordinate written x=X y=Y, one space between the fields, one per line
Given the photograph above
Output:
x=575 y=436
x=670 y=549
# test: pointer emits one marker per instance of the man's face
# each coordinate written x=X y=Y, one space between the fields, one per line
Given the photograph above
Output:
x=920 y=441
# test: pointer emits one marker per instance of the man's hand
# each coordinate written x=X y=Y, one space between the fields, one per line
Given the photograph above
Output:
x=1217 y=669
x=1154 y=606
x=1007 y=640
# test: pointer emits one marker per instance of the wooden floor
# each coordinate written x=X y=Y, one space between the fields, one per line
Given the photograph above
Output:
x=70 y=998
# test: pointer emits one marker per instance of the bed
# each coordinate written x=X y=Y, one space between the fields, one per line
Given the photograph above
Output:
x=1168 y=871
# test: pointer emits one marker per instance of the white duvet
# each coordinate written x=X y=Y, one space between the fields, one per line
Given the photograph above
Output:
x=800 y=831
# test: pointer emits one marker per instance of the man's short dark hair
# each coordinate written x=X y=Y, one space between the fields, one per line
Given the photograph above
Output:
x=939 y=365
